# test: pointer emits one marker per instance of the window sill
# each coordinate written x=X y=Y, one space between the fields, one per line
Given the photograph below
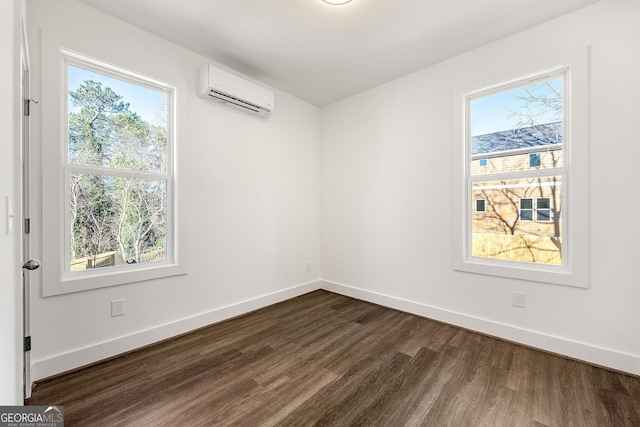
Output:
x=100 y=278
x=552 y=274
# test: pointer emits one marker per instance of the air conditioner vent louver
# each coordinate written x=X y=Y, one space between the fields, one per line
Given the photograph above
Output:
x=240 y=103
x=235 y=92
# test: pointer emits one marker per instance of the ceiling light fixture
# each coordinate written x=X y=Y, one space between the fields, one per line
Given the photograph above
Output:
x=336 y=2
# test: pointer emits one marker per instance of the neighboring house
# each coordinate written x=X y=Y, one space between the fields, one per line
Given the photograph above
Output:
x=526 y=207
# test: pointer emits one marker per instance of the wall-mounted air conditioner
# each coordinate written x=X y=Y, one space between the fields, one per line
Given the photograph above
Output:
x=235 y=92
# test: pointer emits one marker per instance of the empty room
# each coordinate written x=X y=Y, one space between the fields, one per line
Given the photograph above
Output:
x=315 y=212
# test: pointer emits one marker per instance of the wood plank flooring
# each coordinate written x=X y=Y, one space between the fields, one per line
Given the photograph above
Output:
x=328 y=360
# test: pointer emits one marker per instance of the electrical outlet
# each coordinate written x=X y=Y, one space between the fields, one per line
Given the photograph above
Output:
x=518 y=299
x=117 y=307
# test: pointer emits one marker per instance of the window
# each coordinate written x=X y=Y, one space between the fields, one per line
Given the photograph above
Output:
x=116 y=204
x=120 y=183
x=507 y=122
x=534 y=160
x=526 y=209
x=543 y=209
x=482 y=162
x=481 y=205
x=532 y=127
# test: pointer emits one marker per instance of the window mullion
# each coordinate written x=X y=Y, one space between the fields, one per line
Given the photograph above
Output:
x=505 y=176
x=124 y=173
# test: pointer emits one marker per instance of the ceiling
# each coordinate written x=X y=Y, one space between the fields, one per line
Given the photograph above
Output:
x=322 y=53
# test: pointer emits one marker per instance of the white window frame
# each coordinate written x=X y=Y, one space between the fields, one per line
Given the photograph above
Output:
x=538 y=209
x=574 y=270
x=58 y=53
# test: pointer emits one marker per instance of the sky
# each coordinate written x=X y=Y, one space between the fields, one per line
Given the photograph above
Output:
x=147 y=103
x=493 y=113
x=489 y=114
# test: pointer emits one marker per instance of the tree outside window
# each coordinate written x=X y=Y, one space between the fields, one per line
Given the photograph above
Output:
x=118 y=170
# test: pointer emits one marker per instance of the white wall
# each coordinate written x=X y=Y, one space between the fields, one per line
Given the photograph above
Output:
x=10 y=294
x=387 y=196
x=253 y=207
x=381 y=162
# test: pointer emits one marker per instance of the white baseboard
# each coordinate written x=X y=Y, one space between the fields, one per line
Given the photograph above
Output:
x=589 y=353
x=596 y=355
x=84 y=356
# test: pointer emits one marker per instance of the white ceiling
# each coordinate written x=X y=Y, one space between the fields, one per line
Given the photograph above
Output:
x=322 y=53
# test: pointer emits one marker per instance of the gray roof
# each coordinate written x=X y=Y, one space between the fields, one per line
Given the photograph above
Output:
x=537 y=136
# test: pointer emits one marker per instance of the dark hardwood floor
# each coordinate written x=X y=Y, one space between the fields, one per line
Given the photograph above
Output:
x=324 y=359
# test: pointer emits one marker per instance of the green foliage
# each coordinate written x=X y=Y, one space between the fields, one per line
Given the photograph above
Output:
x=112 y=212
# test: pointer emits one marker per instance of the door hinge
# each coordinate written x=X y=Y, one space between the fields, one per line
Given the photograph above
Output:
x=27 y=343
x=27 y=106
x=27 y=225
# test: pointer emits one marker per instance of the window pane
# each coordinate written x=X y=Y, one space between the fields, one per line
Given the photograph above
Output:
x=543 y=215
x=526 y=214
x=534 y=160
x=507 y=230
x=543 y=203
x=480 y=205
x=116 y=124
x=116 y=221
x=507 y=127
